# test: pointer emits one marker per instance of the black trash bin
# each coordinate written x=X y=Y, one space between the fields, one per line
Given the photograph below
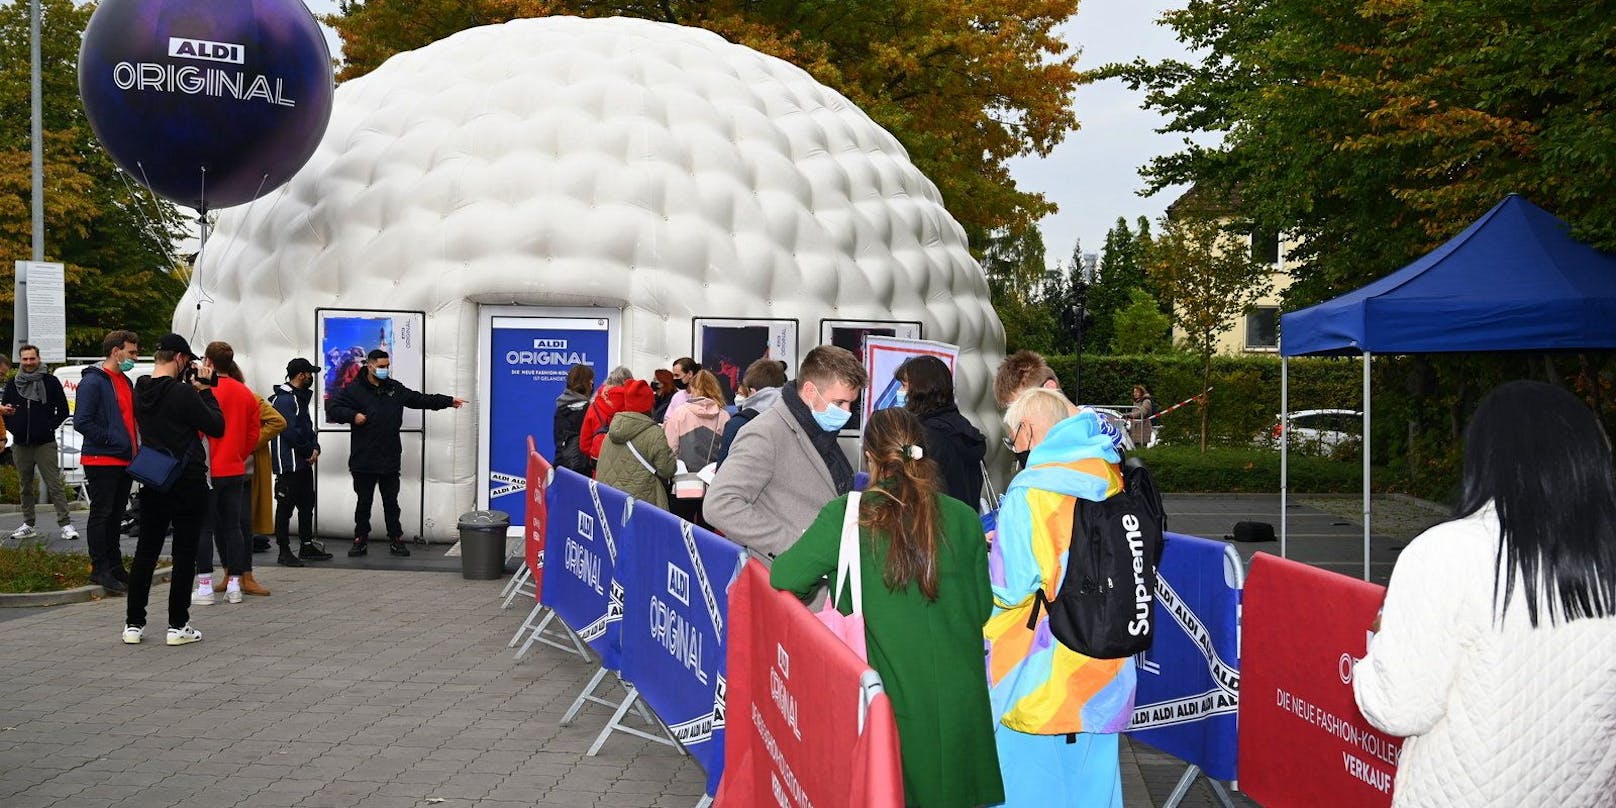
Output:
x=482 y=544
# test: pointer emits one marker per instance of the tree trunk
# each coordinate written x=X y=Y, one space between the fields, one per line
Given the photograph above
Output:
x=1206 y=381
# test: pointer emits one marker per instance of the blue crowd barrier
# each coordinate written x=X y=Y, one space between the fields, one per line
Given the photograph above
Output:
x=584 y=541
x=1189 y=681
x=676 y=579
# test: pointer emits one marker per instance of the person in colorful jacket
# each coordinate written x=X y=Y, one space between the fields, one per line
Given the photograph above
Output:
x=1057 y=712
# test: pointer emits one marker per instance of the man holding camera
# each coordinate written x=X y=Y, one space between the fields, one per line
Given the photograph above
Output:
x=374 y=404
x=172 y=406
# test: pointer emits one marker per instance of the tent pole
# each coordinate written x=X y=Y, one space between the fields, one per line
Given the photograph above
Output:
x=1284 y=443
x=1367 y=357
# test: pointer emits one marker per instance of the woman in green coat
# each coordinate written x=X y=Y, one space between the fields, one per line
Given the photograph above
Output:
x=926 y=596
x=635 y=457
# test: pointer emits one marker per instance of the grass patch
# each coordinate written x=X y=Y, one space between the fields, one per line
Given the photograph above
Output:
x=1239 y=469
x=35 y=569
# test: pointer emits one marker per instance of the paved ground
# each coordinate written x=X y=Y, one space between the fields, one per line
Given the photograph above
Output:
x=386 y=682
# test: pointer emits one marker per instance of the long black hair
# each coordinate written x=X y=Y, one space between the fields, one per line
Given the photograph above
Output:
x=1540 y=456
x=931 y=385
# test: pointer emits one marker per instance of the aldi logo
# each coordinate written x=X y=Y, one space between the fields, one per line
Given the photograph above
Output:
x=586 y=526
x=208 y=50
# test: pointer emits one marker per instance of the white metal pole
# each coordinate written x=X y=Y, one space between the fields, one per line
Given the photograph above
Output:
x=35 y=132
x=1284 y=449
x=1367 y=357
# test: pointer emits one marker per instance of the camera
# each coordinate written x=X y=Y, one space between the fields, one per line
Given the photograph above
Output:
x=190 y=376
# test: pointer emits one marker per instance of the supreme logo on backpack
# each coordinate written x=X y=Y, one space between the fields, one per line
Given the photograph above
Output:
x=1105 y=607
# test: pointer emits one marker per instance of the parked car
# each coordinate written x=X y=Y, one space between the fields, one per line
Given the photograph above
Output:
x=1319 y=431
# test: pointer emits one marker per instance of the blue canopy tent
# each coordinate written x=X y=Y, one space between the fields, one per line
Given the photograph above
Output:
x=1513 y=280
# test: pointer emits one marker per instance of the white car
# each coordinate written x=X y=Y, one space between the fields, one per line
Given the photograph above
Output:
x=1320 y=430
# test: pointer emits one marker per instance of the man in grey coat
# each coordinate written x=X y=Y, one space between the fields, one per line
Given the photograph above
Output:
x=786 y=465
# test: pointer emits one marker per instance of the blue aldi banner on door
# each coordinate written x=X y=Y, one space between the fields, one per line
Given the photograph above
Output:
x=676 y=579
x=527 y=371
x=1189 y=681
x=584 y=538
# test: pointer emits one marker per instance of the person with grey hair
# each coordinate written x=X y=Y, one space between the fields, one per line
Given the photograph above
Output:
x=600 y=413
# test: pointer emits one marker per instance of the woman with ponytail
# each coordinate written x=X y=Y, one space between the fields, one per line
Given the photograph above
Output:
x=923 y=560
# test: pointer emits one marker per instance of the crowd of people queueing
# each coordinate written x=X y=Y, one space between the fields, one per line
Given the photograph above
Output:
x=944 y=602
x=217 y=464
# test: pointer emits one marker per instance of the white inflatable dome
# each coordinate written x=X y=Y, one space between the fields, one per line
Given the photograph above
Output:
x=655 y=170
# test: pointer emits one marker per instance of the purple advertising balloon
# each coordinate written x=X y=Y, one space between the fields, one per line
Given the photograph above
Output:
x=209 y=103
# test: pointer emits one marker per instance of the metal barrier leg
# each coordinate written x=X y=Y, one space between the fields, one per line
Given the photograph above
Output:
x=527 y=625
x=515 y=585
x=704 y=802
x=587 y=695
x=1188 y=779
x=632 y=700
x=574 y=644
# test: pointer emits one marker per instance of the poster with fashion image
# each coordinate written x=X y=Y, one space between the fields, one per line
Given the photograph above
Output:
x=726 y=347
x=346 y=336
x=850 y=334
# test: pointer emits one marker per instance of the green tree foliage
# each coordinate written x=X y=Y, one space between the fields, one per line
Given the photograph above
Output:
x=1014 y=265
x=113 y=236
x=1374 y=129
x=964 y=86
x=1122 y=270
x=1141 y=327
x=1211 y=278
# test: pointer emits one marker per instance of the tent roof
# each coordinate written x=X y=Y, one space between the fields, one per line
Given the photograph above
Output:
x=1513 y=280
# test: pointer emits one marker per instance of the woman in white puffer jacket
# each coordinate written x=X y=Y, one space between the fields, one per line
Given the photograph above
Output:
x=1496 y=651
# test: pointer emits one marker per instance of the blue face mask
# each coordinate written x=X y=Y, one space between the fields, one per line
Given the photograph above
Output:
x=833 y=418
x=381 y=373
x=126 y=365
x=900 y=398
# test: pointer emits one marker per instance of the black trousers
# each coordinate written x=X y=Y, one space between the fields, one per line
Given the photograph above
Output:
x=221 y=528
x=365 y=485
x=294 y=491
x=182 y=506
x=109 y=498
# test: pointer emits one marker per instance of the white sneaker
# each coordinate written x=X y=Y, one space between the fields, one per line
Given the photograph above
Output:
x=203 y=596
x=69 y=533
x=24 y=531
x=181 y=636
x=134 y=634
x=232 y=589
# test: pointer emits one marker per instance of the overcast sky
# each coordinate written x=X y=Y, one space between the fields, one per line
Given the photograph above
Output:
x=1094 y=175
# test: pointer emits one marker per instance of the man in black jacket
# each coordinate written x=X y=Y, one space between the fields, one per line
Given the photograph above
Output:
x=293 y=454
x=174 y=408
x=374 y=404
x=35 y=406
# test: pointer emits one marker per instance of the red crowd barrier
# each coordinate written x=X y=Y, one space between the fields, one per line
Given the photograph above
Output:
x=1302 y=740
x=538 y=470
x=802 y=725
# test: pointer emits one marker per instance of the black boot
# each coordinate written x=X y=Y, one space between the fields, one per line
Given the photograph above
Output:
x=287 y=558
x=358 y=548
x=398 y=548
x=310 y=552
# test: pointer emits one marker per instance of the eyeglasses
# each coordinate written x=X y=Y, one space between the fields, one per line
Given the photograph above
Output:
x=1010 y=441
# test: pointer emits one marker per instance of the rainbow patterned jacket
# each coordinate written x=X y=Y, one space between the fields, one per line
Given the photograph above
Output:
x=1037 y=685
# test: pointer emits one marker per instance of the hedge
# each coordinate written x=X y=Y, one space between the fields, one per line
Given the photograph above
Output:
x=1245 y=396
x=1232 y=469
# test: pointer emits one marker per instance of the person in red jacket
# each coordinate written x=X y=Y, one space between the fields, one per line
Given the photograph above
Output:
x=601 y=410
x=228 y=457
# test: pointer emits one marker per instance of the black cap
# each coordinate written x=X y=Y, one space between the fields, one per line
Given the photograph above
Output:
x=176 y=344
x=300 y=365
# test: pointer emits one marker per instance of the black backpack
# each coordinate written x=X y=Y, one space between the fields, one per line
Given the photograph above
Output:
x=1105 y=608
